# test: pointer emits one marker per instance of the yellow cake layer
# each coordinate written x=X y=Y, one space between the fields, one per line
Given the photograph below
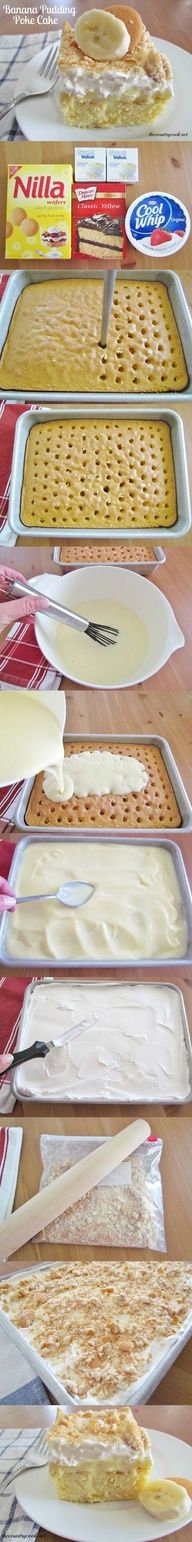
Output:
x=118 y=551
x=97 y=1482
x=111 y=111
x=99 y=474
x=54 y=336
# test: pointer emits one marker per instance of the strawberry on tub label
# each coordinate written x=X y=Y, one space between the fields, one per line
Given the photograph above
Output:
x=156 y=224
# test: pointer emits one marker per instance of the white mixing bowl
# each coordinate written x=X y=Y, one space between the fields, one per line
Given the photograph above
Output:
x=76 y=590
x=12 y=770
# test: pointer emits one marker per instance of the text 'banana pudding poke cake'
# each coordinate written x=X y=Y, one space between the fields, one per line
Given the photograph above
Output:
x=53 y=339
x=96 y=1324
x=95 y=1457
x=111 y=72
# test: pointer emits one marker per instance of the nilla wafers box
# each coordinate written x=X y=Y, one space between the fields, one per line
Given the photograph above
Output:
x=38 y=216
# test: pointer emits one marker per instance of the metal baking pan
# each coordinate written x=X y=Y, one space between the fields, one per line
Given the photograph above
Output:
x=117 y=963
x=184 y=805
x=100 y=1102
x=23 y=428
x=18 y=281
x=162 y=1360
x=145 y=568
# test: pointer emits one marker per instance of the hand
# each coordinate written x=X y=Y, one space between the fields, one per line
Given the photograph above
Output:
x=13 y=610
x=5 y=1062
x=7 y=898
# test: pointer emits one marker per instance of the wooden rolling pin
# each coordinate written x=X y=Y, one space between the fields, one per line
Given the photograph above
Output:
x=66 y=1190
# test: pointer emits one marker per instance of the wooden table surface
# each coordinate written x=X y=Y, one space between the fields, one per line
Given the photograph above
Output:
x=169 y=22
x=176 y=1163
x=166 y=166
x=172 y=1420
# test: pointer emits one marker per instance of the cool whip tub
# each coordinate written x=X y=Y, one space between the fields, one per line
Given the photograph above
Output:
x=136 y=1046
x=157 y=224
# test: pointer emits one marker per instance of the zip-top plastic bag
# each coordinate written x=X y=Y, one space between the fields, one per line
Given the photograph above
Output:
x=124 y=1210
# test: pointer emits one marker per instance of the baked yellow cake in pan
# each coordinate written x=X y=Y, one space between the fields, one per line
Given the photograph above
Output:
x=99 y=474
x=95 y=1457
x=132 y=89
x=118 y=551
x=54 y=336
x=155 y=807
x=95 y=1324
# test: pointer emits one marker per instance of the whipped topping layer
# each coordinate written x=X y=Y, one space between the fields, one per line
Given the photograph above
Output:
x=121 y=84
x=94 y=771
x=130 y=1045
x=135 y=911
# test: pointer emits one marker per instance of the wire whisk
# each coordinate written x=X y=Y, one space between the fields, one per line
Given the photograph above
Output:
x=105 y=635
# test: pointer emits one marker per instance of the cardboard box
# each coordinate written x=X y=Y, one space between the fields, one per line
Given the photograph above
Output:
x=38 y=218
x=122 y=164
x=90 y=164
x=99 y=224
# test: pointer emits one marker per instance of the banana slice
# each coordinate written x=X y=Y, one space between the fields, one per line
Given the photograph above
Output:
x=100 y=35
x=164 y=1496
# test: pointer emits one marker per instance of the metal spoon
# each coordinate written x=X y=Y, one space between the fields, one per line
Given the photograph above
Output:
x=73 y=895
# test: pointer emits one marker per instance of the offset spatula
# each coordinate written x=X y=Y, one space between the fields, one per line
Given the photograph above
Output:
x=40 y=1048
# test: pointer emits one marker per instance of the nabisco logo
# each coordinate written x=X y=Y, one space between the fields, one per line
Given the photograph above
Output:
x=41 y=185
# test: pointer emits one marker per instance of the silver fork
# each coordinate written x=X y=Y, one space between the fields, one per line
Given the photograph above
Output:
x=47 y=73
x=38 y=1458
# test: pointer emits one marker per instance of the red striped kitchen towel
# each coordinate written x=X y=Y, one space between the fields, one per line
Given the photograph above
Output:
x=11 y=1000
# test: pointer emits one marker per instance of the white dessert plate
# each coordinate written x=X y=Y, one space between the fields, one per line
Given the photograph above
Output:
x=35 y=1492
x=40 y=117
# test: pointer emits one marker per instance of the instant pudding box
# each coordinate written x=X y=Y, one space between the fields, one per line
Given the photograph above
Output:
x=38 y=217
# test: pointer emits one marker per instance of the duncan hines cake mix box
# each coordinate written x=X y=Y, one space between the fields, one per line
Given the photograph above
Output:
x=38 y=217
x=98 y=232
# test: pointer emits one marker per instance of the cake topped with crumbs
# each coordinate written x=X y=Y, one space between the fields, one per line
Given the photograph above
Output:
x=98 y=1456
x=103 y=86
x=95 y=1324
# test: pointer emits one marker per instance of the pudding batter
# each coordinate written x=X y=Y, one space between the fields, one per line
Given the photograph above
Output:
x=135 y=912
x=87 y=661
x=94 y=771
